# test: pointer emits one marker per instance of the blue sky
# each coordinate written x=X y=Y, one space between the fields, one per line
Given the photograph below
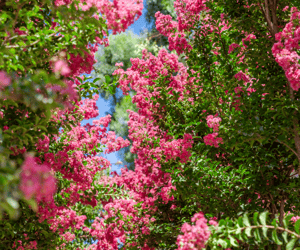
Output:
x=103 y=106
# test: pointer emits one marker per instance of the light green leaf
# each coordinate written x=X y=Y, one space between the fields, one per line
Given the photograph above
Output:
x=263 y=218
x=291 y=244
x=296 y=226
x=275 y=237
x=246 y=220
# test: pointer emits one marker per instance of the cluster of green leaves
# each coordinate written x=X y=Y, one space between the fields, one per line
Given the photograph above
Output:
x=257 y=231
x=40 y=43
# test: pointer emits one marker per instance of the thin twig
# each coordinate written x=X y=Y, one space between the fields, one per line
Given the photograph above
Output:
x=289 y=148
x=17 y=46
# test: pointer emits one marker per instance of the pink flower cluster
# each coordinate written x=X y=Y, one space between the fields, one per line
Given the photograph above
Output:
x=36 y=180
x=188 y=13
x=77 y=162
x=213 y=140
x=285 y=50
x=76 y=157
x=4 y=80
x=167 y=27
x=61 y=67
x=248 y=39
x=295 y=218
x=195 y=236
x=213 y=122
x=119 y=14
x=232 y=47
x=25 y=246
x=241 y=76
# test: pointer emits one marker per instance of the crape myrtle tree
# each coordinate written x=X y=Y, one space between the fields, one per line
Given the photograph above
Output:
x=50 y=171
x=218 y=141
x=122 y=47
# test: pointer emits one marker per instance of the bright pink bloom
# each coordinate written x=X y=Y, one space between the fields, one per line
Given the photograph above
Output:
x=61 y=67
x=36 y=180
x=232 y=47
x=213 y=122
x=213 y=140
x=4 y=79
x=195 y=236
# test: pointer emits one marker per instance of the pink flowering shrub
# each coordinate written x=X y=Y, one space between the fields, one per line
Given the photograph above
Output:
x=232 y=47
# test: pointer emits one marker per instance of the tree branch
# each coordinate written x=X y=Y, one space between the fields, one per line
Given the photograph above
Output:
x=18 y=46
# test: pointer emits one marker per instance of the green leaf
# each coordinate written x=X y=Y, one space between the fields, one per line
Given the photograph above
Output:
x=233 y=241
x=257 y=235
x=248 y=231
x=222 y=242
x=263 y=218
x=32 y=203
x=265 y=230
x=296 y=226
x=275 y=237
x=287 y=220
x=255 y=216
x=291 y=244
x=246 y=220
x=284 y=236
x=12 y=202
x=107 y=79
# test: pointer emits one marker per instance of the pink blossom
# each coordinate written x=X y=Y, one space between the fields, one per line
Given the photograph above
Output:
x=286 y=49
x=195 y=236
x=213 y=122
x=36 y=180
x=295 y=218
x=62 y=67
x=232 y=47
x=4 y=79
x=119 y=64
x=285 y=8
x=213 y=140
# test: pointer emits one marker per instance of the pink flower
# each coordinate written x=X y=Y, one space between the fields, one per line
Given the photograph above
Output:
x=61 y=67
x=232 y=47
x=195 y=236
x=285 y=8
x=295 y=218
x=36 y=180
x=213 y=122
x=213 y=140
x=119 y=64
x=4 y=79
